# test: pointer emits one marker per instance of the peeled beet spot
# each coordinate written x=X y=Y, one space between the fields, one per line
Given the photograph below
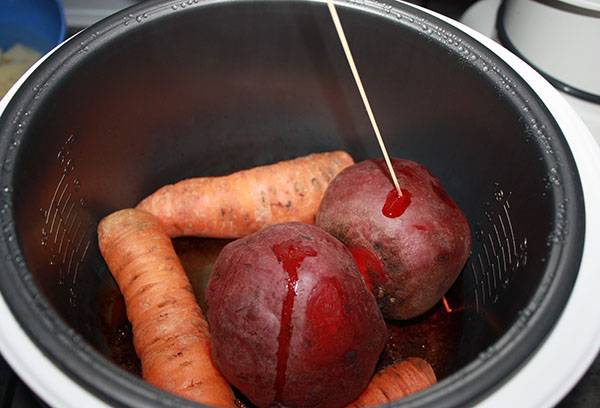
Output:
x=292 y=322
x=409 y=248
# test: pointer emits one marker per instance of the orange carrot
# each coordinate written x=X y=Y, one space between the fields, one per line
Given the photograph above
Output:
x=170 y=333
x=396 y=381
x=244 y=202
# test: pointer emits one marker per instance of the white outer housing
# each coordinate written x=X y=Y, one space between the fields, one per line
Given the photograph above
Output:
x=563 y=44
x=548 y=375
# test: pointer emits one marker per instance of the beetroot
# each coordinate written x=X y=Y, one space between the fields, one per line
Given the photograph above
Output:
x=410 y=249
x=292 y=321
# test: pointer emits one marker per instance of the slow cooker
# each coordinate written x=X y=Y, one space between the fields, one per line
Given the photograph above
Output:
x=167 y=90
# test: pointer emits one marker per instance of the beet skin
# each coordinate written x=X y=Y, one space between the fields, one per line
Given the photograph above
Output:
x=410 y=250
x=292 y=322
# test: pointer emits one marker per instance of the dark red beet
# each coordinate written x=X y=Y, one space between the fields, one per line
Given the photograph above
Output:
x=290 y=255
x=368 y=263
x=291 y=320
x=420 y=240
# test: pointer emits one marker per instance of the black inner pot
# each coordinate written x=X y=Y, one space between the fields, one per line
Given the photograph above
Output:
x=169 y=90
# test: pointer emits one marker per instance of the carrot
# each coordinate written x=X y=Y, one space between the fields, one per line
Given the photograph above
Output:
x=170 y=333
x=246 y=201
x=396 y=381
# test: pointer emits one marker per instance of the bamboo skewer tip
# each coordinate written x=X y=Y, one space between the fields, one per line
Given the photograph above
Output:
x=344 y=42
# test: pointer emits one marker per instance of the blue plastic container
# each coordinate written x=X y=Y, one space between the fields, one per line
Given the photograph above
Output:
x=39 y=24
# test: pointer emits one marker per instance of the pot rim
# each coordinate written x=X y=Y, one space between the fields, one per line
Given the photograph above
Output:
x=58 y=389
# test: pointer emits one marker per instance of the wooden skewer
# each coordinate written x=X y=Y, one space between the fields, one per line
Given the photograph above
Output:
x=361 y=90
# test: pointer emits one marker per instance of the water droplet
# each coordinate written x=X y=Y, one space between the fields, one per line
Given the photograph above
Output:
x=528 y=312
x=489 y=216
x=553 y=178
x=479 y=234
x=424 y=27
x=82 y=202
x=68 y=164
x=499 y=195
x=174 y=6
x=485 y=68
x=72 y=297
x=145 y=15
x=138 y=19
x=77 y=184
x=86 y=48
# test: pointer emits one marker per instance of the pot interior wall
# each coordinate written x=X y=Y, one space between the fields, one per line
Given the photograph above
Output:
x=212 y=88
